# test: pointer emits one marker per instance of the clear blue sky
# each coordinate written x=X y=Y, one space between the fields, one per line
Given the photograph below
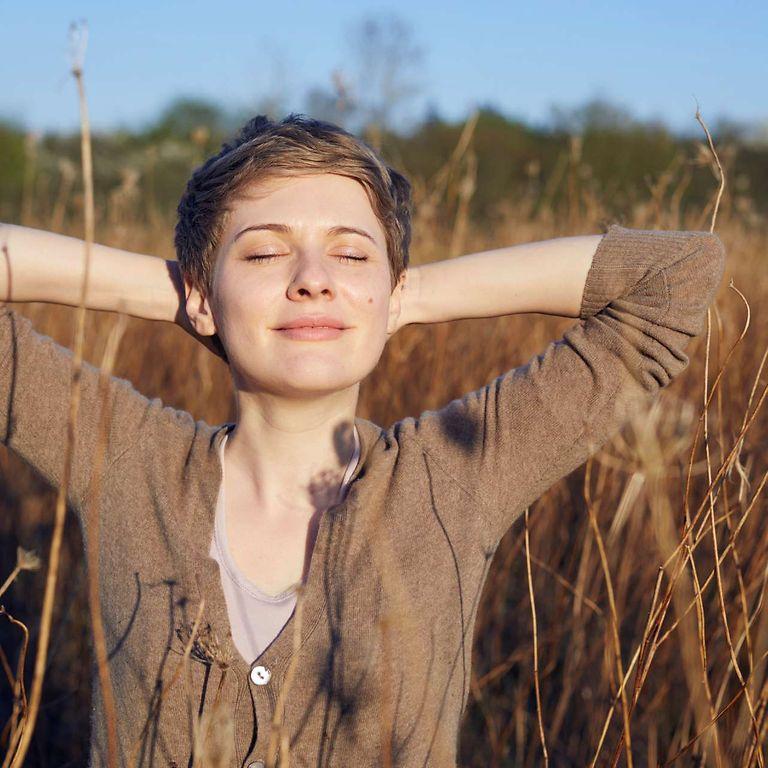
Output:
x=651 y=57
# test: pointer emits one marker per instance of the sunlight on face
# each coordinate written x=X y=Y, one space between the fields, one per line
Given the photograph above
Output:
x=265 y=278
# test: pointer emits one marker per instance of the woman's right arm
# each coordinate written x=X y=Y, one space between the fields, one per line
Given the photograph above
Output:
x=36 y=374
x=43 y=266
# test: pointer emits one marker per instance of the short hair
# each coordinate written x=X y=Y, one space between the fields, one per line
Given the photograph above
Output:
x=265 y=149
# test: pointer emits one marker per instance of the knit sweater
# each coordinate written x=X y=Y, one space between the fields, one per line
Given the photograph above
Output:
x=383 y=656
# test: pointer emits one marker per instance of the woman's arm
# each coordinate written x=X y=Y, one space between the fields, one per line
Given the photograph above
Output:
x=546 y=277
x=36 y=373
x=43 y=266
x=645 y=298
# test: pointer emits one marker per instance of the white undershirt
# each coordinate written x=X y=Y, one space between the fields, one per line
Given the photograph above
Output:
x=256 y=618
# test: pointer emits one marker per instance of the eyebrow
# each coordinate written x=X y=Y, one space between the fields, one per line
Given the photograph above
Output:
x=285 y=229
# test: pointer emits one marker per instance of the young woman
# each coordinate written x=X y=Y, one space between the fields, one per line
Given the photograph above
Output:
x=293 y=263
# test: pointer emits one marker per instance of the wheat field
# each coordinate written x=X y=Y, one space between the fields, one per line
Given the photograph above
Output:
x=623 y=622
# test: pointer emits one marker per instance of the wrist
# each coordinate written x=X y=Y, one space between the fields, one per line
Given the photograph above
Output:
x=176 y=301
x=410 y=298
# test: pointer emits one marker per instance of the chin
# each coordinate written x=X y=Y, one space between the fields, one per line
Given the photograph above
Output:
x=301 y=375
x=314 y=387
x=298 y=385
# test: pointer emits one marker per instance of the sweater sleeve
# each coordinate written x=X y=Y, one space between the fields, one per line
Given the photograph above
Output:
x=646 y=296
x=35 y=385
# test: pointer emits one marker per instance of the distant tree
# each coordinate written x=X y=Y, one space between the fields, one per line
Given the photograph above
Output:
x=13 y=164
x=432 y=115
x=726 y=128
x=185 y=116
x=332 y=104
x=385 y=60
x=596 y=113
x=759 y=134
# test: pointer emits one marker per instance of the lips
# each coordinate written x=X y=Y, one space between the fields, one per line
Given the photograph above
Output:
x=313 y=321
x=313 y=328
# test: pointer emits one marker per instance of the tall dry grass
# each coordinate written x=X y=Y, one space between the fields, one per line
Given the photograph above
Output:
x=622 y=621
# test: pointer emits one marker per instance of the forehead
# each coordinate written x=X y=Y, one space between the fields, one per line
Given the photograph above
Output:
x=307 y=203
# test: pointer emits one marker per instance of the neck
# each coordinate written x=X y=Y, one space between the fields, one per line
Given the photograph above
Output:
x=290 y=455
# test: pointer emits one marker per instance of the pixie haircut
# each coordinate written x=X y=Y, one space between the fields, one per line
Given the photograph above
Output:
x=265 y=149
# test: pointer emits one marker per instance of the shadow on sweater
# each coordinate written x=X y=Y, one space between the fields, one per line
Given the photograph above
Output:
x=363 y=596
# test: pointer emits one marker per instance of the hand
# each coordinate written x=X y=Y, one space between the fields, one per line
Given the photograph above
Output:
x=409 y=292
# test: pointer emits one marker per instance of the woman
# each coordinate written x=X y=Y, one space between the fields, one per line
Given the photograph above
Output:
x=292 y=251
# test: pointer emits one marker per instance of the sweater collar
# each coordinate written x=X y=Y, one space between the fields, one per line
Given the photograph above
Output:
x=205 y=570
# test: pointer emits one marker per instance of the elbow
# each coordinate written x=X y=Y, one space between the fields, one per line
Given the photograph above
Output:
x=713 y=261
x=695 y=286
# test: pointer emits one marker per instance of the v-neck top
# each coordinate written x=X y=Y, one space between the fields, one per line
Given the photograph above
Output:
x=374 y=666
x=255 y=617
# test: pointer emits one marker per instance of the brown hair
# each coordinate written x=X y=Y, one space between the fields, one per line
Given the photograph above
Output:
x=265 y=149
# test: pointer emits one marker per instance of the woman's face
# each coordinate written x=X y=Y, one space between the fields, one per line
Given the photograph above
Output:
x=287 y=252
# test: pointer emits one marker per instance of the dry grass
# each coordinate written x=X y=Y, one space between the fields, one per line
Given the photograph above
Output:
x=623 y=620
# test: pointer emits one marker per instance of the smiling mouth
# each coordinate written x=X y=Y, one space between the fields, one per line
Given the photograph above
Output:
x=311 y=332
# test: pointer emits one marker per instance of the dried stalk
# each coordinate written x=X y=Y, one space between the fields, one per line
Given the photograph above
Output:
x=535 y=643
x=61 y=499
x=20 y=709
x=614 y=619
x=180 y=667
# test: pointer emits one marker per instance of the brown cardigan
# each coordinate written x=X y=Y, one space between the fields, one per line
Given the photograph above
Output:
x=398 y=567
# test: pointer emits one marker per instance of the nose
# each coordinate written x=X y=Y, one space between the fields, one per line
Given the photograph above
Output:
x=311 y=278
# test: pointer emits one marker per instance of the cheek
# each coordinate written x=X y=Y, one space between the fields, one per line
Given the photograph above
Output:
x=377 y=308
x=240 y=308
x=367 y=296
x=245 y=287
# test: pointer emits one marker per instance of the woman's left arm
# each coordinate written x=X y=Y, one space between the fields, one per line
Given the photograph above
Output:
x=546 y=277
x=645 y=296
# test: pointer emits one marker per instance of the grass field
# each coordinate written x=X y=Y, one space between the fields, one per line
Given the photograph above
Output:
x=612 y=574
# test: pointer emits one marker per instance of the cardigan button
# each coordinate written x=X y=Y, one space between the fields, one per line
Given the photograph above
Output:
x=256 y=764
x=260 y=675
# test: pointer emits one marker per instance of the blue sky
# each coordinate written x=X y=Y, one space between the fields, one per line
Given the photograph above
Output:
x=652 y=58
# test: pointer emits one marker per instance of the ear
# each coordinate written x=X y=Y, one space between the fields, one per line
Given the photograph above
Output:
x=394 y=321
x=199 y=310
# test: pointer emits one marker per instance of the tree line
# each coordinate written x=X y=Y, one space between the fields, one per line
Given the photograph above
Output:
x=597 y=148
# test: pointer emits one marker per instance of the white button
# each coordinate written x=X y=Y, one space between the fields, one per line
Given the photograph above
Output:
x=256 y=764
x=260 y=675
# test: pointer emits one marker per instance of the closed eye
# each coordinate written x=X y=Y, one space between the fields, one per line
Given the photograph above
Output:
x=265 y=257
x=262 y=256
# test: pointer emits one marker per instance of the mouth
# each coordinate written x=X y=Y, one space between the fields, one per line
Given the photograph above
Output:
x=311 y=332
x=312 y=328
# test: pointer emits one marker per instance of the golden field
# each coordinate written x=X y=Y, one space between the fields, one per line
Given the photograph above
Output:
x=622 y=588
